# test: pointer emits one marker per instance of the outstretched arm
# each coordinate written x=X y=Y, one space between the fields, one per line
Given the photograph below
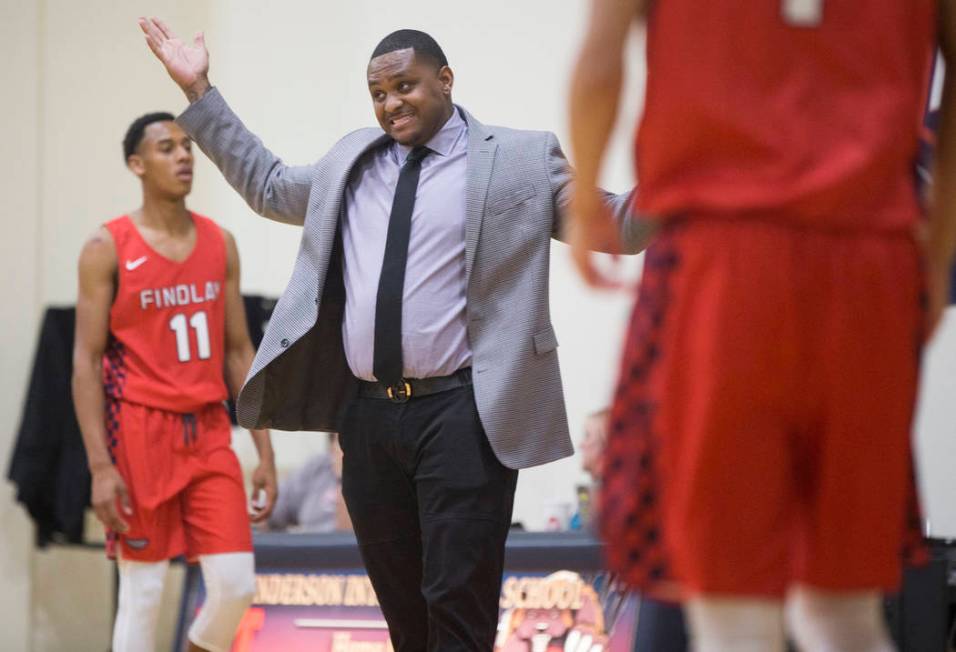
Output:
x=97 y=284
x=271 y=188
x=941 y=236
x=625 y=234
x=595 y=92
x=239 y=356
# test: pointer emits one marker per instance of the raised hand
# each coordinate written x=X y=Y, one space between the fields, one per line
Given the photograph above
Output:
x=187 y=64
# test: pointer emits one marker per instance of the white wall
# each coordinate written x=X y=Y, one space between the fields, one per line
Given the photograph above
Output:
x=936 y=431
x=19 y=263
x=97 y=77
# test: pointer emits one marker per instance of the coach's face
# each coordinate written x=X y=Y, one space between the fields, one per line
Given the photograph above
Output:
x=411 y=95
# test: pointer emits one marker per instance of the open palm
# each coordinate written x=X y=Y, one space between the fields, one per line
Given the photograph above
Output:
x=186 y=63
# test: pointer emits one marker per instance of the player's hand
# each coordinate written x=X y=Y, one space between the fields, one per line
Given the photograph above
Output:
x=108 y=491
x=187 y=64
x=264 y=491
x=592 y=228
x=937 y=267
x=938 y=281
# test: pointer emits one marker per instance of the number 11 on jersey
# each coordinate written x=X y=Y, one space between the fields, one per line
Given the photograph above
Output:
x=200 y=324
x=802 y=13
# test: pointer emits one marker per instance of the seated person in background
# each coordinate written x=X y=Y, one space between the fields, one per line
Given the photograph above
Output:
x=311 y=497
x=592 y=446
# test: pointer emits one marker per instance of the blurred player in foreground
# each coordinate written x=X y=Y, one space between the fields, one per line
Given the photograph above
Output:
x=760 y=438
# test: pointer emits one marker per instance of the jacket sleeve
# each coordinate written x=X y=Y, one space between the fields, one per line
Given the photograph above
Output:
x=635 y=232
x=270 y=187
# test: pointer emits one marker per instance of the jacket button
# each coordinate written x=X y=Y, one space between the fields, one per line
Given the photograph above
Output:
x=284 y=343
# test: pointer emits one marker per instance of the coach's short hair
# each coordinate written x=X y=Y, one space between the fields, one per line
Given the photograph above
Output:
x=423 y=44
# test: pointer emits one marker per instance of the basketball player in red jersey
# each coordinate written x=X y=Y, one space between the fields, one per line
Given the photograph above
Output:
x=760 y=442
x=160 y=334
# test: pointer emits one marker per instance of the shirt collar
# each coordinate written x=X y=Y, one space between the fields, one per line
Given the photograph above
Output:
x=442 y=142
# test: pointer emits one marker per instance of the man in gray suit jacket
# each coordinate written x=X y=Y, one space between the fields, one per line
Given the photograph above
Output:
x=415 y=323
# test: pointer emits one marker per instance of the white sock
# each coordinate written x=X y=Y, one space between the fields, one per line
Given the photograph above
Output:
x=730 y=624
x=230 y=580
x=138 y=603
x=823 y=621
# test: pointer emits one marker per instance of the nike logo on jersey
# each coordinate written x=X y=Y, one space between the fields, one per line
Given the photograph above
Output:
x=133 y=264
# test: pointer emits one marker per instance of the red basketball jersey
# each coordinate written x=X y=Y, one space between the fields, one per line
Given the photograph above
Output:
x=806 y=111
x=167 y=323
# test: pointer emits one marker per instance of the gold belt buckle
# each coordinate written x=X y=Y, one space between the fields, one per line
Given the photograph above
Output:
x=400 y=392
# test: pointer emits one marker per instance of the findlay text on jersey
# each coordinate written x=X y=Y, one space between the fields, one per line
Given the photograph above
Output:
x=183 y=294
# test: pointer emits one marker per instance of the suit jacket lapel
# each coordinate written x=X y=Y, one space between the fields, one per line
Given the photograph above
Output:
x=481 y=159
x=375 y=138
x=318 y=238
x=336 y=186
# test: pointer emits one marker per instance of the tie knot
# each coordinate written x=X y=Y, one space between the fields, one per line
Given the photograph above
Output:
x=417 y=154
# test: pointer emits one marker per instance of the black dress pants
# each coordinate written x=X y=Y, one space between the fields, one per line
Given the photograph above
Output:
x=431 y=506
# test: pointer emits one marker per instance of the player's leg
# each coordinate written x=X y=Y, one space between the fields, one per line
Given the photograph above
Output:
x=230 y=581
x=382 y=504
x=724 y=409
x=138 y=604
x=715 y=397
x=859 y=464
x=216 y=522
x=154 y=535
x=730 y=506
x=826 y=622
x=729 y=624
x=465 y=499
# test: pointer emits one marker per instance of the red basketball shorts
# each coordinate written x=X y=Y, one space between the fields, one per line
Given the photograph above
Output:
x=761 y=429
x=184 y=482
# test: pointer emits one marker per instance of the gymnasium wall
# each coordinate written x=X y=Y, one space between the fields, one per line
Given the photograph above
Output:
x=75 y=74
x=19 y=72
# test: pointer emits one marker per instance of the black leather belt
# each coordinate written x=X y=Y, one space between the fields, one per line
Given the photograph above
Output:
x=415 y=387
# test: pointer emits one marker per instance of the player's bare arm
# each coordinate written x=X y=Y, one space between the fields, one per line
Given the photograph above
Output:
x=97 y=284
x=941 y=241
x=239 y=356
x=187 y=64
x=595 y=93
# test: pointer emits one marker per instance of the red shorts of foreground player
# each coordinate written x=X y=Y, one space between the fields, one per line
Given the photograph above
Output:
x=761 y=429
x=184 y=482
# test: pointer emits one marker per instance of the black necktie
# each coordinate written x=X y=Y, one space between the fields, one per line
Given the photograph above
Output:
x=387 y=361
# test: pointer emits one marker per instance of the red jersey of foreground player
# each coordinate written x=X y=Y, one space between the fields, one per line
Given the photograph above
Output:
x=781 y=108
x=167 y=321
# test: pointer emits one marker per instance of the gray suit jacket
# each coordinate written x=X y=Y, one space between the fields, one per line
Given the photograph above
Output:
x=517 y=188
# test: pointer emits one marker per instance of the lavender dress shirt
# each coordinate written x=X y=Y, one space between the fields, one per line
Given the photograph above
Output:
x=434 y=333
